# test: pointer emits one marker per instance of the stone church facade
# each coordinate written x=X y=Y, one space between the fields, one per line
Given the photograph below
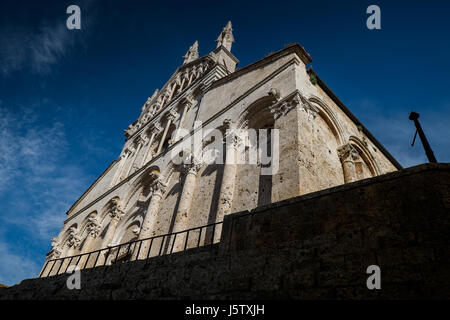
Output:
x=144 y=193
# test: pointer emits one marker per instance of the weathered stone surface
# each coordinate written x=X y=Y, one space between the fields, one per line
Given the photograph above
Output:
x=321 y=145
x=316 y=246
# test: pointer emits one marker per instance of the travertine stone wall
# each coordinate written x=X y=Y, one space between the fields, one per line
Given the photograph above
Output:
x=316 y=246
x=315 y=136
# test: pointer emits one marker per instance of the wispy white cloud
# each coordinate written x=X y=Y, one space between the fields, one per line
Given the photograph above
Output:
x=38 y=50
x=15 y=267
x=38 y=182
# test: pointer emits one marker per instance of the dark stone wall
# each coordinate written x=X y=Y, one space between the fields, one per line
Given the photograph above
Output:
x=316 y=246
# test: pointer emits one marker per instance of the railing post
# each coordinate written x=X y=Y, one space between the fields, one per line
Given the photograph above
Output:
x=139 y=250
x=117 y=254
x=199 y=237
x=62 y=262
x=96 y=259
x=162 y=242
x=214 y=231
x=68 y=264
x=45 y=267
x=165 y=240
x=87 y=260
x=128 y=250
x=186 y=242
x=79 y=258
x=150 y=248
x=54 y=262
x=106 y=257
x=173 y=242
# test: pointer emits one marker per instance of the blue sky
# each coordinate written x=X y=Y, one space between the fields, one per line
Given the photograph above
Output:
x=66 y=96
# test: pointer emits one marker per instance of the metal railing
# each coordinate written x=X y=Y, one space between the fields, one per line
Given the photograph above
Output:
x=137 y=249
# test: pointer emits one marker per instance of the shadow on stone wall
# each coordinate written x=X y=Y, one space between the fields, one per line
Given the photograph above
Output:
x=316 y=246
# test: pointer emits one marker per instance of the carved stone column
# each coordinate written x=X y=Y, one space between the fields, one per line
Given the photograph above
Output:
x=183 y=218
x=348 y=155
x=73 y=242
x=128 y=151
x=93 y=230
x=165 y=95
x=188 y=103
x=148 y=154
x=54 y=253
x=229 y=174
x=184 y=206
x=123 y=160
x=157 y=189
x=149 y=146
x=136 y=152
x=116 y=215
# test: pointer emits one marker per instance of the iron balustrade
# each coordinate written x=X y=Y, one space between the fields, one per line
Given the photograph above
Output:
x=136 y=250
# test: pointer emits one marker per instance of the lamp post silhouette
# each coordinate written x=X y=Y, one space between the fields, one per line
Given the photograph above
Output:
x=414 y=116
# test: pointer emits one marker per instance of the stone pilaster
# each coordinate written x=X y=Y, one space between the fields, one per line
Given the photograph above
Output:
x=116 y=215
x=93 y=230
x=188 y=102
x=229 y=174
x=348 y=155
x=172 y=115
x=157 y=190
x=287 y=183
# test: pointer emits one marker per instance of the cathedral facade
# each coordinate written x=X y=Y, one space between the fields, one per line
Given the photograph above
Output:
x=145 y=193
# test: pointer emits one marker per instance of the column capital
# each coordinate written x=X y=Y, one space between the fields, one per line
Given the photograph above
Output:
x=157 y=129
x=348 y=153
x=74 y=239
x=93 y=226
x=158 y=187
x=139 y=141
x=191 y=163
x=274 y=93
x=172 y=115
x=116 y=212
x=228 y=124
x=281 y=109
x=311 y=110
x=55 y=252
x=188 y=101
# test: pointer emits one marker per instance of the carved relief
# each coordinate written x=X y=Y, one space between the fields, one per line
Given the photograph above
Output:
x=93 y=226
x=348 y=153
x=74 y=239
x=158 y=187
x=116 y=212
x=283 y=108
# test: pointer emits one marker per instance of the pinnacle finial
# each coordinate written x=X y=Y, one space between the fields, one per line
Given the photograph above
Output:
x=192 y=53
x=226 y=37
